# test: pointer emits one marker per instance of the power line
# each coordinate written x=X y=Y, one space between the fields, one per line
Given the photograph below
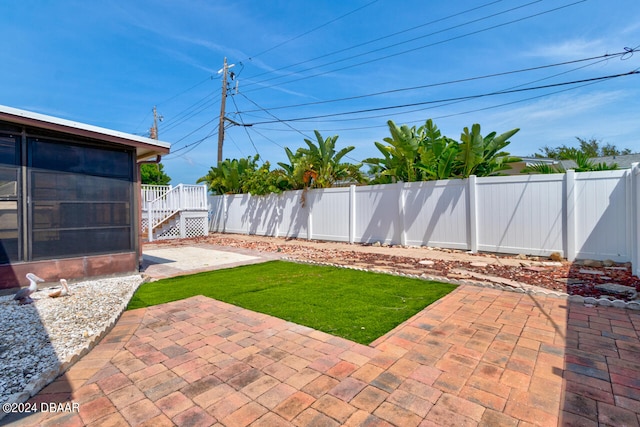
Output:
x=195 y=130
x=605 y=57
x=350 y=57
x=277 y=119
x=460 y=113
x=193 y=145
x=312 y=30
x=377 y=39
x=416 y=49
x=463 y=100
x=189 y=113
x=245 y=127
x=469 y=79
x=504 y=92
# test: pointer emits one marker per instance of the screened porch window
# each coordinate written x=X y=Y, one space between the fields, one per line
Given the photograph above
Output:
x=9 y=180
x=80 y=199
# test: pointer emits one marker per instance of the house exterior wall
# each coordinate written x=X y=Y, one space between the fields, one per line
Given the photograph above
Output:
x=13 y=275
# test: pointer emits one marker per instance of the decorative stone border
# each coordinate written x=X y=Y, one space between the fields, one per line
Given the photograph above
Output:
x=45 y=378
x=525 y=289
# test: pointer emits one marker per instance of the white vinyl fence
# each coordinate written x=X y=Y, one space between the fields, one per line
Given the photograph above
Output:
x=580 y=215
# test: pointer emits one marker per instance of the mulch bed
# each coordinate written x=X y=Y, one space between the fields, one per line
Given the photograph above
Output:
x=572 y=278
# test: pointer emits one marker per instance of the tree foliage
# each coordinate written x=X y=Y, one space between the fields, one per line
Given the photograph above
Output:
x=229 y=175
x=581 y=155
x=590 y=148
x=153 y=174
x=421 y=154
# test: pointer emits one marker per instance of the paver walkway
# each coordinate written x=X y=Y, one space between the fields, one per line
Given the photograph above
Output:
x=476 y=357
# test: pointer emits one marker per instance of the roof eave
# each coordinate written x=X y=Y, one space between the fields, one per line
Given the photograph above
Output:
x=145 y=147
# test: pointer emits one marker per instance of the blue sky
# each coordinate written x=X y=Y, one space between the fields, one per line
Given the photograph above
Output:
x=109 y=63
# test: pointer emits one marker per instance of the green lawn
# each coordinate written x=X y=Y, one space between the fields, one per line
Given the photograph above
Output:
x=356 y=305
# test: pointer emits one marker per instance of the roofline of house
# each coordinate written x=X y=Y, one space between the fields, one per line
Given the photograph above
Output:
x=151 y=147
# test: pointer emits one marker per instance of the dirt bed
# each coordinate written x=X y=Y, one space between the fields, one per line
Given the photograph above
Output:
x=573 y=278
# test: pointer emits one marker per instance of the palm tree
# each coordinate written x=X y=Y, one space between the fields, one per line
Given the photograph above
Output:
x=421 y=154
x=401 y=155
x=438 y=154
x=321 y=165
x=229 y=175
x=482 y=156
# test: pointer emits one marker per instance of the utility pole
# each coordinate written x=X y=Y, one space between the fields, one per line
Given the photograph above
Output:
x=222 y=106
x=224 y=70
x=153 y=132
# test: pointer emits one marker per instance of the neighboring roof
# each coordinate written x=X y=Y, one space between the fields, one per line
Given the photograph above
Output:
x=623 y=161
x=145 y=147
x=533 y=160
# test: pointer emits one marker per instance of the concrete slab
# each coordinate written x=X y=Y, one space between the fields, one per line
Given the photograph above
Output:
x=171 y=261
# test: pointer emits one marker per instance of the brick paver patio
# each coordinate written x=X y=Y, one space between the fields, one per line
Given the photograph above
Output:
x=476 y=357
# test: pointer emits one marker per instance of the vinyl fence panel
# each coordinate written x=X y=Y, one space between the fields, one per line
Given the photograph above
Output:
x=436 y=214
x=216 y=214
x=521 y=214
x=262 y=215
x=330 y=214
x=601 y=215
x=580 y=215
x=294 y=216
x=377 y=214
x=236 y=220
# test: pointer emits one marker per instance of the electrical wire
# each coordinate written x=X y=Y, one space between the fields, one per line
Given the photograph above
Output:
x=445 y=104
x=190 y=112
x=450 y=82
x=504 y=92
x=277 y=120
x=468 y=111
x=195 y=130
x=193 y=145
x=350 y=57
x=245 y=127
x=377 y=39
x=311 y=30
x=417 y=48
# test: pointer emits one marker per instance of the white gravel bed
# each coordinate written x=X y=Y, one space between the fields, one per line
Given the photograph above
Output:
x=39 y=341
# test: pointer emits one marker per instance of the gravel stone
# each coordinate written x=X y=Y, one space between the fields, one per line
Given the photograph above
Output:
x=39 y=339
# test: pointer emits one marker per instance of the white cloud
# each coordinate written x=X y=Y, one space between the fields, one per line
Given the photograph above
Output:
x=576 y=48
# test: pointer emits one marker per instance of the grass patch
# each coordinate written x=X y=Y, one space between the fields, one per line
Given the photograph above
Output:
x=356 y=305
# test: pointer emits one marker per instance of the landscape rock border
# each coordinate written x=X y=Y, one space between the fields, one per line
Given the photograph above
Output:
x=524 y=288
x=44 y=378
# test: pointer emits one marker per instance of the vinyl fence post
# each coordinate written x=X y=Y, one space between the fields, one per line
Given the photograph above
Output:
x=570 y=204
x=278 y=203
x=401 y=221
x=635 y=218
x=309 y=216
x=352 y=214
x=473 y=215
x=223 y=217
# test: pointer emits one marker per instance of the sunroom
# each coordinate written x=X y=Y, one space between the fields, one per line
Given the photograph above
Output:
x=69 y=198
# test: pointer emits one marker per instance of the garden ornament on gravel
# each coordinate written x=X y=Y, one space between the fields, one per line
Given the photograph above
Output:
x=63 y=291
x=23 y=296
